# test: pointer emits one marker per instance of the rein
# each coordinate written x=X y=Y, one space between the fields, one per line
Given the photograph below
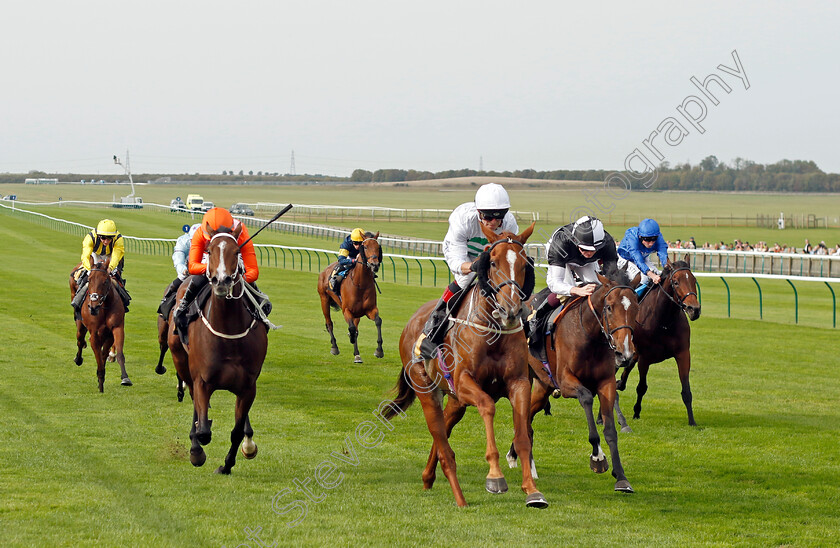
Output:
x=608 y=333
x=680 y=303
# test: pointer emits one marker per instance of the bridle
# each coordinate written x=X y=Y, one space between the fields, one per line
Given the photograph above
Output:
x=681 y=302
x=603 y=321
x=236 y=275
x=95 y=296
x=495 y=288
x=374 y=267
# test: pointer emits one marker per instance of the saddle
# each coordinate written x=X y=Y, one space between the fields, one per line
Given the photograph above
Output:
x=197 y=305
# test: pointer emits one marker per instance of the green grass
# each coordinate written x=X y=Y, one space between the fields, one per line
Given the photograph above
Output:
x=83 y=468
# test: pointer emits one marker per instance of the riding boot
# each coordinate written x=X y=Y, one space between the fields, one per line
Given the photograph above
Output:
x=641 y=290
x=78 y=299
x=536 y=329
x=179 y=317
x=434 y=330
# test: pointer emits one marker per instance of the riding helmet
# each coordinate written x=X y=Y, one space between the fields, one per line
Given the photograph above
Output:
x=358 y=235
x=588 y=233
x=491 y=196
x=215 y=219
x=106 y=227
x=648 y=228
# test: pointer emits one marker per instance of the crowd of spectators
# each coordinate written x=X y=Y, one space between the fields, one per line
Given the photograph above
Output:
x=761 y=246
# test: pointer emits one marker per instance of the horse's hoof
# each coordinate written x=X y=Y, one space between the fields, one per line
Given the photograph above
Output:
x=511 y=460
x=619 y=385
x=222 y=470
x=357 y=359
x=160 y=370
x=77 y=361
x=555 y=394
x=599 y=466
x=126 y=382
x=204 y=438
x=334 y=351
x=497 y=486
x=251 y=449
x=181 y=397
x=623 y=486
x=536 y=500
x=197 y=457
x=111 y=356
x=378 y=354
x=626 y=430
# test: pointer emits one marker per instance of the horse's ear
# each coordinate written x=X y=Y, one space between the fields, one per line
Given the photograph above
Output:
x=376 y=236
x=94 y=258
x=237 y=231
x=107 y=263
x=491 y=236
x=525 y=234
x=636 y=281
x=604 y=280
x=686 y=259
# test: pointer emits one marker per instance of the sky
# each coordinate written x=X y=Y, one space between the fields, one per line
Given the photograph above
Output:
x=210 y=86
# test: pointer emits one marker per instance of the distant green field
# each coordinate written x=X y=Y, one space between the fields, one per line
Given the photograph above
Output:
x=112 y=469
x=672 y=209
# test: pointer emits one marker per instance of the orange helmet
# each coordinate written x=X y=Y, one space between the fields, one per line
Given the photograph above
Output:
x=215 y=219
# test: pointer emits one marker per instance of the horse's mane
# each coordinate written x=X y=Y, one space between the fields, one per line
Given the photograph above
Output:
x=617 y=275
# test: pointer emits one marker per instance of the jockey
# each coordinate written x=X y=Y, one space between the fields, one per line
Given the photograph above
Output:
x=179 y=261
x=463 y=243
x=574 y=251
x=215 y=219
x=104 y=240
x=347 y=253
x=636 y=251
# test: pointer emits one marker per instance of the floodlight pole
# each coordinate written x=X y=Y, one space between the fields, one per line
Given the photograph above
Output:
x=127 y=168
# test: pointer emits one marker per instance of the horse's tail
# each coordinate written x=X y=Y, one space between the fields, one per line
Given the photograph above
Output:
x=405 y=396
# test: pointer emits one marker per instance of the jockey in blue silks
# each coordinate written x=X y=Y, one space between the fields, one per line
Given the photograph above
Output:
x=636 y=250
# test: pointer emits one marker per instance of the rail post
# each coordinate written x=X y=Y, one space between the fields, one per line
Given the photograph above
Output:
x=760 y=303
x=795 y=301
x=833 y=306
x=728 y=300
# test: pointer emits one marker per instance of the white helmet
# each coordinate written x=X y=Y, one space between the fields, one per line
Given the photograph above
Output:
x=491 y=196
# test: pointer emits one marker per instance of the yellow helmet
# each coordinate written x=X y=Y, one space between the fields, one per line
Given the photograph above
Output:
x=106 y=227
x=358 y=235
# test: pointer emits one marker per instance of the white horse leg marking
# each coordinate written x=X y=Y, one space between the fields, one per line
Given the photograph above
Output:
x=600 y=456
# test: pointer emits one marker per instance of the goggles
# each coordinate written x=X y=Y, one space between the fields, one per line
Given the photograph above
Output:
x=490 y=214
x=650 y=238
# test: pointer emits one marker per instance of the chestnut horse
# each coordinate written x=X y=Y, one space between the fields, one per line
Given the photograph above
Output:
x=484 y=357
x=357 y=295
x=662 y=331
x=592 y=337
x=226 y=350
x=103 y=315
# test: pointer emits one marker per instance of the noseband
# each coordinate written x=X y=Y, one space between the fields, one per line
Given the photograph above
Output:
x=681 y=302
x=236 y=275
x=495 y=288
x=605 y=325
x=104 y=297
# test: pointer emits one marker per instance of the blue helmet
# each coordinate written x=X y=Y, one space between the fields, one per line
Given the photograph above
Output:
x=648 y=228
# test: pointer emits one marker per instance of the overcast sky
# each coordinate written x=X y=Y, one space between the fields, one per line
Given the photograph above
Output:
x=208 y=86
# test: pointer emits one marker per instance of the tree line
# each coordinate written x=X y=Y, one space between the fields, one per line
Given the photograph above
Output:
x=710 y=175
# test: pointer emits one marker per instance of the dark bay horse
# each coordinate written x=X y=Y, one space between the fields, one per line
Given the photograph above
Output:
x=103 y=315
x=226 y=350
x=163 y=344
x=484 y=357
x=663 y=332
x=592 y=338
x=357 y=295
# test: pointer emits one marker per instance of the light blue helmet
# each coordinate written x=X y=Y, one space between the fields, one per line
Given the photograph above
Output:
x=648 y=228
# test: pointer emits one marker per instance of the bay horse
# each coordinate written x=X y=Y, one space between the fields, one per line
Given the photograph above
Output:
x=593 y=336
x=226 y=350
x=163 y=345
x=663 y=332
x=103 y=316
x=357 y=296
x=483 y=358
